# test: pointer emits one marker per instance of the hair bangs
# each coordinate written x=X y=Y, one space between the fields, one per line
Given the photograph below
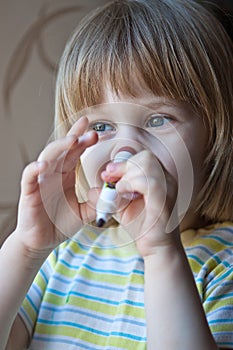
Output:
x=127 y=48
x=122 y=61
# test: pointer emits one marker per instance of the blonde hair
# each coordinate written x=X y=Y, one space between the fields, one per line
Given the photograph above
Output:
x=180 y=51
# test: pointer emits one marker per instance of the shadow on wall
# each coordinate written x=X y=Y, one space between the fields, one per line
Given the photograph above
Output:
x=26 y=110
x=32 y=38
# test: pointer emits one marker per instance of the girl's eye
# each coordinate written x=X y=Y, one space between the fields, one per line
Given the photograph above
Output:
x=157 y=120
x=102 y=127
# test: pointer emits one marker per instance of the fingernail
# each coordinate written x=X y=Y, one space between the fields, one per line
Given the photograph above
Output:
x=111 y=167
x=84 y=138
x=130 y=195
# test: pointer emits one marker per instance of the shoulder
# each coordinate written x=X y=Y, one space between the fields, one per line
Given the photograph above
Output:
x=210 y=252
x=210 y=255
x=214 y=238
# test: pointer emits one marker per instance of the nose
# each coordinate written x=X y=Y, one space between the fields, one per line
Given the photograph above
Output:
x=128 y=139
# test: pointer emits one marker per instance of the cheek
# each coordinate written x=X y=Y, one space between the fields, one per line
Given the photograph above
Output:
x=168 y=154
x=167 y=160
x=196 y=145
x=175 y=157
x=197 y=156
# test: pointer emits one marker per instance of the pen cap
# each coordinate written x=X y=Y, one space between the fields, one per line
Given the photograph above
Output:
x=122 y=156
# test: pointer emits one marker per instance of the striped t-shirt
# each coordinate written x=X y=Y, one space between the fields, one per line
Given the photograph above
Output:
x=89 y=293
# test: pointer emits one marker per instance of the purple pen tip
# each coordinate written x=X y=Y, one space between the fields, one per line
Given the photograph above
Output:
x=100 y=222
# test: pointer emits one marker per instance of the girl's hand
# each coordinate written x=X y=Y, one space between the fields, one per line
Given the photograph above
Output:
x=48 y=208
x=149 y=216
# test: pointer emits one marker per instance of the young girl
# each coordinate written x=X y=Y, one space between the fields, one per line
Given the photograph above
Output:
x=153 y=78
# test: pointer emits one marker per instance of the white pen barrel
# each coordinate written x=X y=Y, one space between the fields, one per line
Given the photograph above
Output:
x=108 y=199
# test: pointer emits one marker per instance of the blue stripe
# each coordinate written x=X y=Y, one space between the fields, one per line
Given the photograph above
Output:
x=219 y=297
x=113 y=272
x=128 y=336
x=101 y=258
x=220 y=320
x=199 y=247
x=32 y=304
x=60 y=340
x=134 y=303
x=43 y=275
x=104 y=259
x=118 y=260
x=93 y=315
x=136 y=289
x=228 y=229
x=26 y=316
x=199 y=280
x=70 y=266
x=88 y=267
x=203 y=270
x=75 y=311
x=88 y=297
x=98 y=285
x=93 y=243
x=219 y=239
x=228 y=251
x=77 y=256
x=222 y=277
x=211 y=256
x=194 y=257
x=37 y=290
x=95 y=285
x=92 y=330
x=223 y=308
x=55 y=252
x=83 y=247
x=74 y=325
x=56 y=292
x=136 y=323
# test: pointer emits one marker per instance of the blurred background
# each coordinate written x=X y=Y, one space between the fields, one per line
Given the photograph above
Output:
x=32 y=37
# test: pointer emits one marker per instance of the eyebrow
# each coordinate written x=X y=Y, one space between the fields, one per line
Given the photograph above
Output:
x=166 y=102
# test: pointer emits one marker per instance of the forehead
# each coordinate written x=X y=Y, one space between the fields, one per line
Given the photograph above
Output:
x=118 y=106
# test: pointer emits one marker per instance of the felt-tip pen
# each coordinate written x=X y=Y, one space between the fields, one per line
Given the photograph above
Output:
x=109 y=199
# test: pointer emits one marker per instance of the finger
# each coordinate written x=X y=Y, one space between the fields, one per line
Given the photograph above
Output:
x=87 y=139
x=109 y=178
x=132 y=185
x=29 y=182
x=146 y=186
x=114 y=171
x=143 y=163
x=79 y=127
x=56 y=148
x=69 y=160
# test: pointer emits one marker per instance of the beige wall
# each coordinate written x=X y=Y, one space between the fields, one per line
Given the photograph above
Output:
x=32 y=37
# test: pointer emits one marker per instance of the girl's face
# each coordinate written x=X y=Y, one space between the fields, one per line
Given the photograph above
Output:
x=168 y=128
